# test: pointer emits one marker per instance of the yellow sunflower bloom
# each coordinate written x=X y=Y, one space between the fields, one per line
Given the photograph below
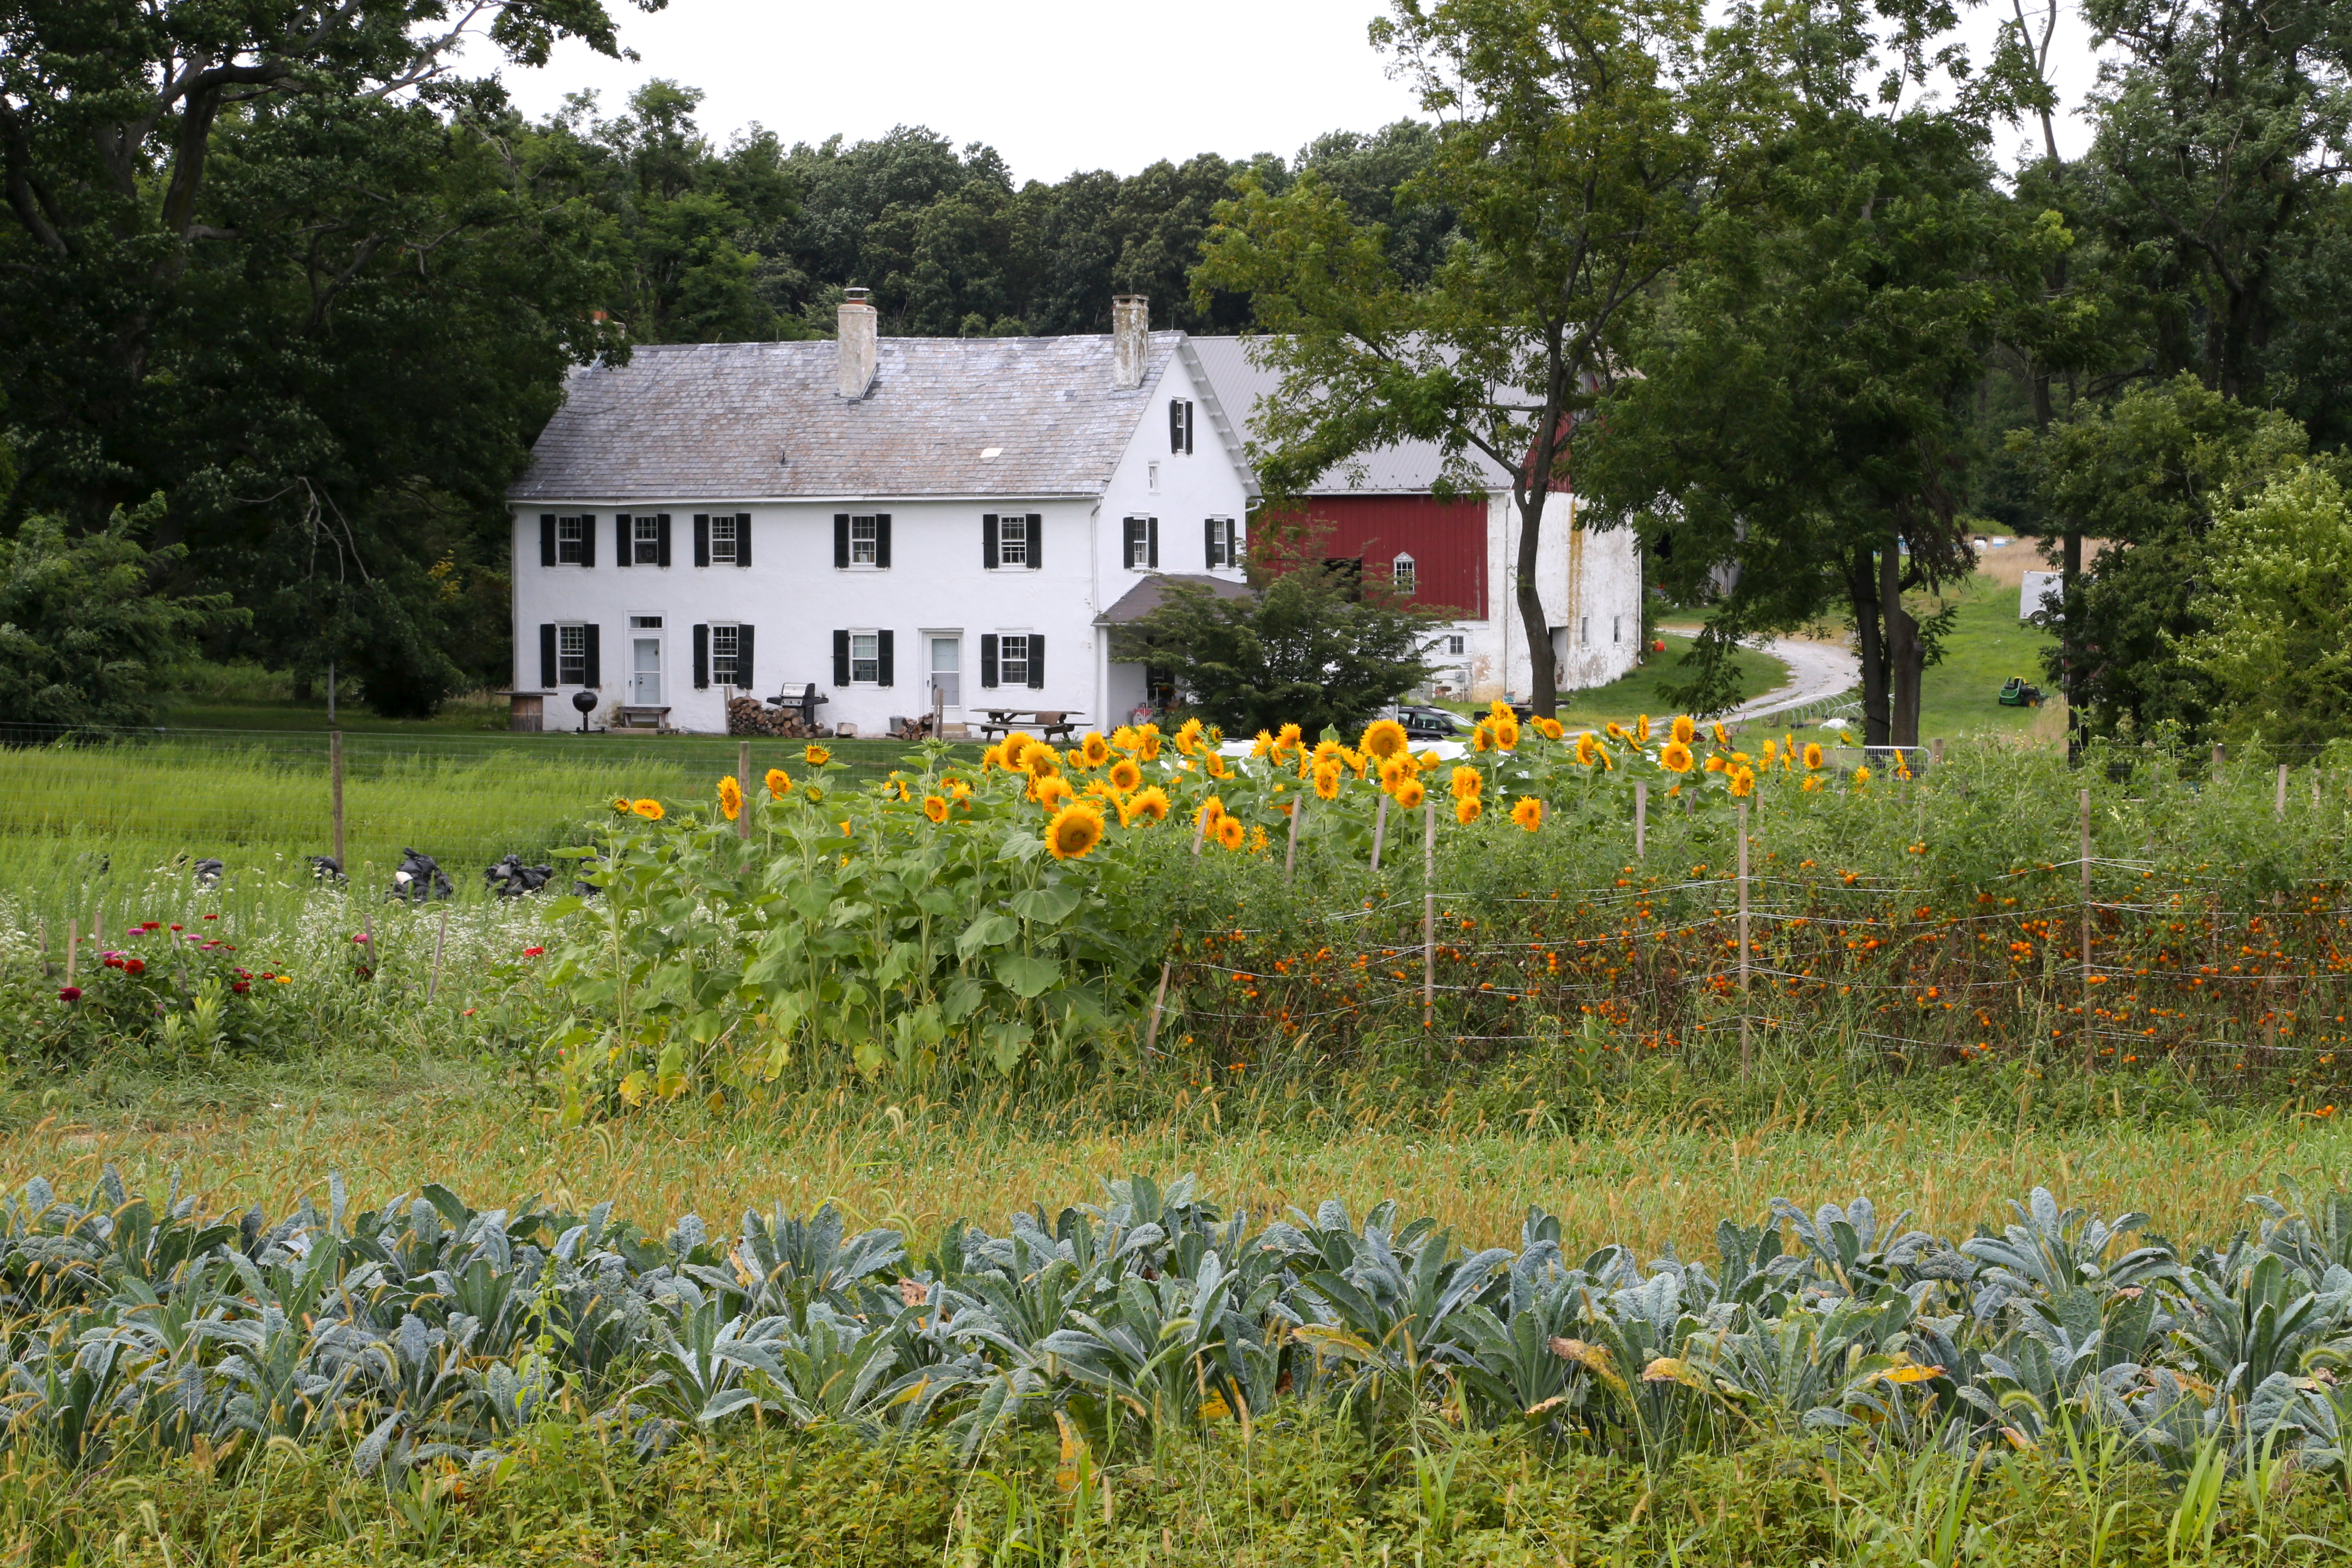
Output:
x=1262 y=746
x=1075 y=829
x=1814 y=756
x=1147 y=743
x=1861 y=775
x=1466 y=809
x=1586 y=748
x=1410 y=794
x=935 y=808
x=1212 y=809
x=1482 y=735
x=1812 y=784
x=1150 y=804
x=1715 y=765
x=1722 y=735
x=778 y=782
x=1188 y=736
x=1641 y=729
x=1094 y=749
x=620 y=805
x=1230 y=832
x=817 y=755
x=1051 y=791
x=1549 y=728
x=1125 y=776
x=1428 y=762
x=1674 y=756
x=1125 y=739
x=1394 y=772
x=1385 y=738
x=1506 y=733
x=1527 y=812
x=1467 y=781
x=651 y=810
x=731 y=797
x=1498 y=709
x=1041 y=762
x=1326 y=780
x=1743 y=782
x=959 y=789
x=1214 y=763
x=1684 y=730
x=1289 y=738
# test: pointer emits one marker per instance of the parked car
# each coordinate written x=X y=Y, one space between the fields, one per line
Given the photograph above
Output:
x=1425 y=723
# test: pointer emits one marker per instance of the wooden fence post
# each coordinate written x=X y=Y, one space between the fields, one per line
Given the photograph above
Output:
x=1429 y=911
x=2217 y=762
x=2279 y=809
x=2090 y=1040
x=1746 y=1051
x=1935 y=751
x=1379 y=829
x=1641 y=820
x=440 y=938
x=72 y=944
x=1291 y=852
x=335 y=768
x=743 y=783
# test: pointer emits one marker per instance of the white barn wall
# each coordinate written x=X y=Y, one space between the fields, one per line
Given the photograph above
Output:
x=1602 y=629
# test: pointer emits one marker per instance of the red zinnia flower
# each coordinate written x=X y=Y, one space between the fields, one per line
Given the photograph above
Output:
x=358 y=936
x=212 y=917
x=134 y=966
x=69 y=993
x=532 y=952
x=241 y=986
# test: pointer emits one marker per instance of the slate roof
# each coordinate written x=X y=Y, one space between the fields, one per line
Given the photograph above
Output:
x=1152 y=593
x=754 y=421
x=1409 y=468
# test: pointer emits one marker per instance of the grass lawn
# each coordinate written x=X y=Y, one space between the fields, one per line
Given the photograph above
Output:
x=1637 y=692
x=1988 y=644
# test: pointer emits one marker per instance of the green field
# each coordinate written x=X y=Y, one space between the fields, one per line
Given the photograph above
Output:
x=1986 y=644
x=1636 y=693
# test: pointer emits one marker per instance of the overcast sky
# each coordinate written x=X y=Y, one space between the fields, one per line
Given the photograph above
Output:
x=1054 y=85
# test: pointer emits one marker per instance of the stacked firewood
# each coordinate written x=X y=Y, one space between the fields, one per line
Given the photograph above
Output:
x=750 y=716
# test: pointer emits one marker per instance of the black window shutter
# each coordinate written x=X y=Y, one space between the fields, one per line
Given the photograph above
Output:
x=742 y=539
x=1036 y=541
x=1151 y=542
x=1188 y=427
x=1175 y=424
x=624 y=547
x=661 y=536
x=882 y=544
x=701 y=657
x=744 y=658
x=547 y=655
x=1131 y=533
x=595 y=671
x=703 y=539
x=1036 y=658
x=1209 y=544
x=588 y=539
x=840 y=658
x=840 y=539
x=884 y=658
x=547 y=539
x=988 y=541
x=987 y=658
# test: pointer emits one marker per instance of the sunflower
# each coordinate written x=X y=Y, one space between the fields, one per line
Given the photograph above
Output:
x=1715 y=765
x=1506 y=733
x=1722 y=735
x=1041 y=762
x=1466 y=809
x=1211 y=810
x=1230 y=832
x=991 y=758
x=1125 y=739
x=1410 y=794
x=1287 y=739
x=1150 y=804
x=1902 y=766
x=1094 y=749
x=1262 y=745
x=1015 y=748
x=731 y=797
x=1394 y=772
x=1527 y=812
x=1743 y=782
x=817 y=755
x=958 y=788
x=1641 y=729
x=1771 y=751
x=1188 y=736
x=1467 y=783
x=1684 y=731
x=1326 y=780
x=1586 y=748
x=1674 y=756
x=1075 y=830
x=1482 y=735
x=1812 y=784
x=620 y=805
x=935 y=808
x=1549 y=728
x=1498 y=709
x=1862 y=774
x=651 y=810
x=1051 y=791
x=1147 y=743
x=1214 y=763
x=778 y=783
x=1125 y=776
x=1813 y=754
x=1385 y=738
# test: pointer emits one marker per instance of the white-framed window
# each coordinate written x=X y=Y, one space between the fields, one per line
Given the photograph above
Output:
x=1180 y=424
x=1012 y=540
x=645 y=541
x=1224 y=549
x=571 y=540
x=865 y=655
x=1151 y=478
x=725 y=642
x=722 y=538
x=865 y=541
x=571 y=654
x=1403 y=576
x=1142 y=543
x=1012 y=659
x=644 y=623
x=1457 y=643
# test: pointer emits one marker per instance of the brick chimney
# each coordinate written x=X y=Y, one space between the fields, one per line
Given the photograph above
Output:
x=858 y=335
x=1130 y=339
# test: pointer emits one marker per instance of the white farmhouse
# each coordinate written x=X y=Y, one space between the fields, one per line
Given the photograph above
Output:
x=874 y=516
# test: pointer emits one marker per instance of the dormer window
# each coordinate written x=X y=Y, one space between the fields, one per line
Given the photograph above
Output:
x=1403 y=576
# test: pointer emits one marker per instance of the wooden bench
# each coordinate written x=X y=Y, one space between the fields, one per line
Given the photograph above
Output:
x=634 y=717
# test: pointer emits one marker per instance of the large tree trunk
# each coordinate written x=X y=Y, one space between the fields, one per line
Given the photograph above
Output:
x=1544 y=677
x=1906 y=655
x=1862 y=592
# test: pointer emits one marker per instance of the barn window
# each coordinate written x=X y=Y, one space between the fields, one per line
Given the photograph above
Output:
x=1403 y=575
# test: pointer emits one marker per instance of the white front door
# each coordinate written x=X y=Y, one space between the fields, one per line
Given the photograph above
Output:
x=947 y=670
x=645 y=672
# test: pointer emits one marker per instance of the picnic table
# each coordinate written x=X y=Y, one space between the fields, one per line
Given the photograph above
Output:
x=1052 y=724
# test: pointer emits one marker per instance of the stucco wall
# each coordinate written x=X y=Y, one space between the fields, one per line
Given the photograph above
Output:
x=1597 y=634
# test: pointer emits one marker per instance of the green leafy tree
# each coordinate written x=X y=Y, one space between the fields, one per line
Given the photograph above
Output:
x=84 y=642
x=1577 y=134
x=1312 y=645
x=2279 y=645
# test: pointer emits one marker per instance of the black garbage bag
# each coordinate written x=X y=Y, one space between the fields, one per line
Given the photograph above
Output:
x=511 y=879
x=327 y=868
x=420 y=878
x=209 y=872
